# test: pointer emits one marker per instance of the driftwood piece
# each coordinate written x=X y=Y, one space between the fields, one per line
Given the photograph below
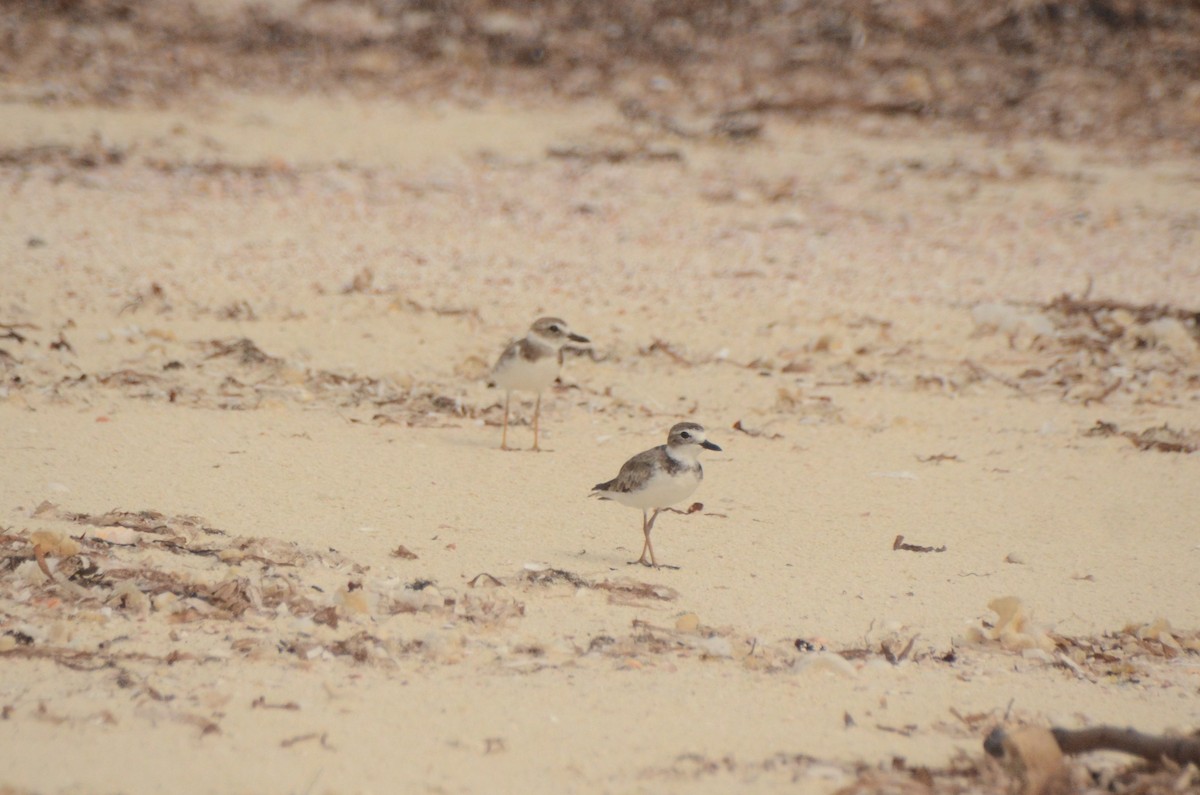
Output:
x=1034 y=756
x=1180 y=750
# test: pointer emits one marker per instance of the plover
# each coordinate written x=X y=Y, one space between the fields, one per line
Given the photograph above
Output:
x=659 y=478
x=531 y=364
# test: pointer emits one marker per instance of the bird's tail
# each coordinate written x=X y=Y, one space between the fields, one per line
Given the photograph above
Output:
x=599 y=489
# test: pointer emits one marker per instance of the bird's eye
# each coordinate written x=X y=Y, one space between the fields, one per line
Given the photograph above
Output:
x=555 y=329
x=686 y=435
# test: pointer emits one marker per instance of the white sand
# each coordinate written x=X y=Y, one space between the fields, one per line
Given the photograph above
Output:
x=854 y=255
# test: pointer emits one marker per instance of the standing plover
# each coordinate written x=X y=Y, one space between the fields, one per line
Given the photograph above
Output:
x=659 y=478
x=531 y=364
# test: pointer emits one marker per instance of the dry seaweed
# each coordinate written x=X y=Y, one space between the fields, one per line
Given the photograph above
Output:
x=139 y=521
x=1165 y=439
x=81 y=575
x=1118 y=654
x=627 y=591
x=669 y=350
x=975 y=774
x=1097 y=313
x=153 y=294
x=1072 y=69
x=11 y=333
x=737 y=426
x=1162 y=438
x=243 y=350
x=620 y=590
x=899 y=543
x=486 y=578
x=634 y=151
x=548 y=576
x=232 y=374
x=1088 y=351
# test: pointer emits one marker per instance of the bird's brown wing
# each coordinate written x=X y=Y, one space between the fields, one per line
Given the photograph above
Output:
x=513 y=351
x=635 y=472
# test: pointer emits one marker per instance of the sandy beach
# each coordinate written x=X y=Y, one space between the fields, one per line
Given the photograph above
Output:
x=256 y=534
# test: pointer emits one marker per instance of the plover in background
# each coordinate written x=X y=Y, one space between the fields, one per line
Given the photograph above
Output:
x=531 y=364
x=659 y=478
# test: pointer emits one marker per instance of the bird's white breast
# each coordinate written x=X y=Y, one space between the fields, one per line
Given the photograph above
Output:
x=529 y=376
x=660 y=491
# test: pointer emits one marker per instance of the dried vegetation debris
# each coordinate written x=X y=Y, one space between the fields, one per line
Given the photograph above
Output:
x=64 y=159
x=1162 y=438
x=1076 y=68
x=1082 y=351
x=1114 y=319
x=201 y=595
x=615 y=148
x=230 y=373
x=1089 y=351
x=66 y=594
x=1122 y=653
x=984 y=776
x=900 y=544
x=1026 y=761
x=1128 y=654
x=1091 y=322
x=65 y=597
x=963 y=774
x=621 y=590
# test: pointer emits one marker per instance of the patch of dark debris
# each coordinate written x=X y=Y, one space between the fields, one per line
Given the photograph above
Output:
x=620 y=590
x=1162 y=438
x=64 y=158
x=232 y=374
x=270 y=597
x=1077 y=69
x=242 y=350
x=1087 y=351
x=1021 y=756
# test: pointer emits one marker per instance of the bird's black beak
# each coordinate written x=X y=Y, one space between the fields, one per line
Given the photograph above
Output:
x=707 y=445
x=573 y=337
